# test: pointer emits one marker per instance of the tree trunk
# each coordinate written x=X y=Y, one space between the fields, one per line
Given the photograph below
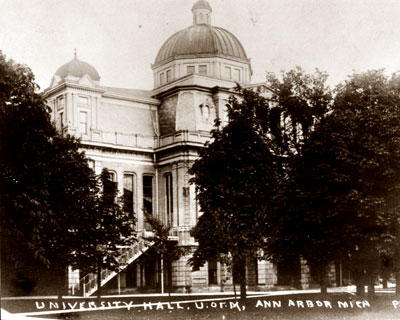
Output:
x=242 y=276
x=168 y=267
x=98 y=278
x=385 y=282
x=397 y=283
x=322 y=279
x=360 y=289
x=371 y=288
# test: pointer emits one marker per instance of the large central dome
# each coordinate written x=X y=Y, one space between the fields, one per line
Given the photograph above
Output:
x=201 y=40
x=202 y=50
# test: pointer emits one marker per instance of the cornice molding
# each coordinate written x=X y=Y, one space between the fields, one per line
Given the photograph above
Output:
x=64 y=85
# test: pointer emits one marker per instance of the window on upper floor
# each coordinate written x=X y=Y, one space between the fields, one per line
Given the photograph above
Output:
x=162 y=78
x=92 y=164
x=236 y=74
x=61 y=120
x=83 y=122
x=113 y=186
x=228 y=73
x=203 y=70
x=129 y=193
x=189 y=69
x=169 y=76
x=148 y=193
x=60 y=102
x=83 y=100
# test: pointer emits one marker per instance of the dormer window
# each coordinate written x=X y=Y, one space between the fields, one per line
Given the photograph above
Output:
x=162 y=78
x=236 y=74
x=189 y=69
x=228 y=73
x=203 y=70
x=169 y=76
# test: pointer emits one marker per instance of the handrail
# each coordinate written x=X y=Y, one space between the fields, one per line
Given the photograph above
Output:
x=127 y=256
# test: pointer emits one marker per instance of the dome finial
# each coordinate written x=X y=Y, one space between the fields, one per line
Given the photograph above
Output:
x=75 y=54
x=201 y=12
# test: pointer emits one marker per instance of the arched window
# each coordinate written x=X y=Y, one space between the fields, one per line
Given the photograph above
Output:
x=148 y=193
x=129 y=193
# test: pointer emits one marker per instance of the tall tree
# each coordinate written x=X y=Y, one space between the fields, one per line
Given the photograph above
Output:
x=340 y=199
x=302 y=100
x=49 y=197
x=44 y=179
x=235 y=178
x=369 y=104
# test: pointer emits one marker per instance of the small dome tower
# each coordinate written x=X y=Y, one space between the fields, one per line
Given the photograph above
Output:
x=77 y=68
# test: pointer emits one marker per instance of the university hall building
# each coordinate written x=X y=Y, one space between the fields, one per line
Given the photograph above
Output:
x=148 y=139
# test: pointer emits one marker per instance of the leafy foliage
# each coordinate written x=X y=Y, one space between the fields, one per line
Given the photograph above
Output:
x=105 y=228
x=301 y=100
x=45 y=180
x=340 y=198
x=52 y=206
x=235 y=177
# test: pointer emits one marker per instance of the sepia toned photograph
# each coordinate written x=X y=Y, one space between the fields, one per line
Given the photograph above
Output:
x=200 y=159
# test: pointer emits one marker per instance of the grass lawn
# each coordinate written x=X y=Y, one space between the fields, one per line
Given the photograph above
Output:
x=294 y=306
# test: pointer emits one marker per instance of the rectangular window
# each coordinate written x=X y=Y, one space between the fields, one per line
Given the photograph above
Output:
x=83 y=122
x=169 y=77
x=113 y=176
x=162 y=78
x=212 y=272
x=189 y=69
x=228 y=73
x=112 y=186
x=236 y=74
x=128 y=195
x=169 y=199
x=61 y=120
x=83 y=100
x=148 y=194
x=256 y=271
x=203 y=70
x=60 y=102
x=92 y=164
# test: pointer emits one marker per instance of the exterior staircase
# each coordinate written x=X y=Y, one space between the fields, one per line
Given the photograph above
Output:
x=128 y=255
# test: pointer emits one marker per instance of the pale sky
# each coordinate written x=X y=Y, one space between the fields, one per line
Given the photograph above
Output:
x=121 y=38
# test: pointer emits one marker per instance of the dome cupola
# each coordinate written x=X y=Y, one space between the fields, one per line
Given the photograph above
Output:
x=201 y=12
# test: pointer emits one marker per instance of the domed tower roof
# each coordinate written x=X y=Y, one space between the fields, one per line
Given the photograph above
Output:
x=201 y=40
x=77 y=68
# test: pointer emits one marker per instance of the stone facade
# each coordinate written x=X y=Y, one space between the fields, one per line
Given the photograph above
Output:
x=149 y=139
